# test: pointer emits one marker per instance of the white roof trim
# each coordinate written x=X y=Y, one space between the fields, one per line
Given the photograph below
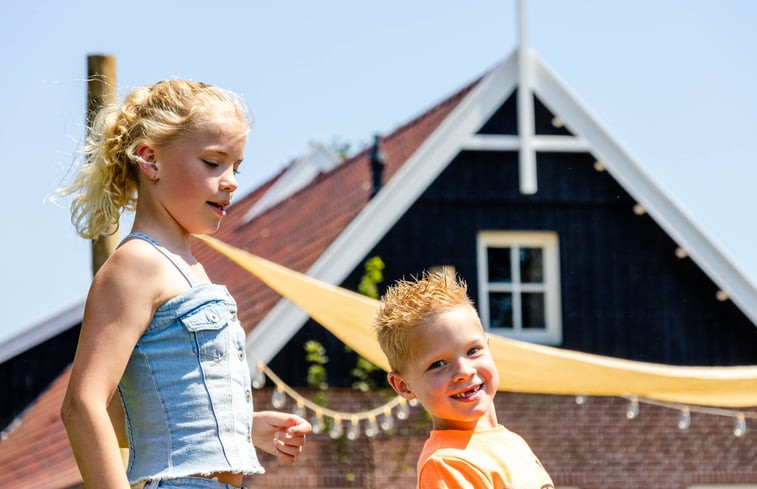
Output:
x=33 y=336
x=457 y=132
x=668 y=215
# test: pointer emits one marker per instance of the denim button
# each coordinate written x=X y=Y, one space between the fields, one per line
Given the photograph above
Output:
x=213 y=318
x=241 y=354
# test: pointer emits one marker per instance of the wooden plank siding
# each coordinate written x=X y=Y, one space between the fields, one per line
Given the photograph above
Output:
x=25 y=376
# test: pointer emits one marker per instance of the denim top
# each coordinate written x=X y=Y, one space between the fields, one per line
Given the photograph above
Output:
x=186 y=388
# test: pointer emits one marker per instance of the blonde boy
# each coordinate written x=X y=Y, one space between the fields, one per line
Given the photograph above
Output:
x=439 y=355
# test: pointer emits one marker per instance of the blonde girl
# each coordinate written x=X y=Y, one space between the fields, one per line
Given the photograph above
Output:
x=161 y=353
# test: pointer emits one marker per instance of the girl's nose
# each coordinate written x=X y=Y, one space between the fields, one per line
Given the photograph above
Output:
x=229 y=181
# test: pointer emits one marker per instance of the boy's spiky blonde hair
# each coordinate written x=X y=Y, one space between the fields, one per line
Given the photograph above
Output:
x=409 y=303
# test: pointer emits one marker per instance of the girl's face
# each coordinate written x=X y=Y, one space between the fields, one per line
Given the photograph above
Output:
x=452 y=373
x=198 y=174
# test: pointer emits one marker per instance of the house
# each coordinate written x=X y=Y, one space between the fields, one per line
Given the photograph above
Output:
x=563 y=239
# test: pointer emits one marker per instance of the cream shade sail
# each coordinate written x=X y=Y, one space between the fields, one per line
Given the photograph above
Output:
x=523 y=367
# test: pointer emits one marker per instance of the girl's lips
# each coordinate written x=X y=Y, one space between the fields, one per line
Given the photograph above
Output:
x=219 y=208
x=468 y=393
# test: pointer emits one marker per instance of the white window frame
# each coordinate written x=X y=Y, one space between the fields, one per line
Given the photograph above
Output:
x=548 y=242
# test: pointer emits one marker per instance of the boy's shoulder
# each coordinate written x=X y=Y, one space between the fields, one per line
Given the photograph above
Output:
x=495 y=454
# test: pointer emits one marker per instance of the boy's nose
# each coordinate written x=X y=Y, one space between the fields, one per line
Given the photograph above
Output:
x=464 y=369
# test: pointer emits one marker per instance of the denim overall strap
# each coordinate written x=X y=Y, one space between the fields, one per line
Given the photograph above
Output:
x=179 y=264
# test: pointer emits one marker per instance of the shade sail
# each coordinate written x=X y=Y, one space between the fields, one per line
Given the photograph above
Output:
x=523 y=367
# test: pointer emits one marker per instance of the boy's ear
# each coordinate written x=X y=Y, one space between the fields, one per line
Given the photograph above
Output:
x=399 y=385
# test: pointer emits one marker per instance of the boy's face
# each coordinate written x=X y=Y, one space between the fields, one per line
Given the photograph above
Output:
x=453 y=374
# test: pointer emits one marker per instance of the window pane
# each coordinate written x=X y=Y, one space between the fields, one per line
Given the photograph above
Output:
x=500 y=310
x=531 y=265
x=498 y=260
x=533 y=310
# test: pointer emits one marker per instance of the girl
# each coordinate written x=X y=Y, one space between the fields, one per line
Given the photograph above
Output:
x=155 y=329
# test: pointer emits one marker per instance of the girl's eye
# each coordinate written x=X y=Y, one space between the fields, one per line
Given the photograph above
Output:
x=236 y=170
x=474 y=350
x=211 y=164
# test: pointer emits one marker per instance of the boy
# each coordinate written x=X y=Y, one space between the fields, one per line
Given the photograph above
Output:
x=439 y=355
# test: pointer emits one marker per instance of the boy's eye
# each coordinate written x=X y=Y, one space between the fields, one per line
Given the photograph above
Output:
x=474 y=350
x=436 y=364
x=211 y=164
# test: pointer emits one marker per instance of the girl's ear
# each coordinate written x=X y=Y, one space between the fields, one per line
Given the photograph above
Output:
x=147 y=162
x=399 y=385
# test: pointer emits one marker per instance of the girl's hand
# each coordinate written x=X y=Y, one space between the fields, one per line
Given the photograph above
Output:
x=280 y=434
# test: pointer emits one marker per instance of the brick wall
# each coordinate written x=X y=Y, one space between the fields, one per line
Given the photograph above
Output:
x=590 y=446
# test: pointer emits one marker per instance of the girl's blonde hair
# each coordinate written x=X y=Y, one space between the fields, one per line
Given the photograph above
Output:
x=107 y=181
x=409 y=304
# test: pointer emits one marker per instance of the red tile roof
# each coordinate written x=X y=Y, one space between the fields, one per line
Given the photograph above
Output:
x=37 y=453
x=294 y=233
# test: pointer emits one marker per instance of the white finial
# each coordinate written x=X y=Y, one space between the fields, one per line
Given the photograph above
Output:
x=527 y=157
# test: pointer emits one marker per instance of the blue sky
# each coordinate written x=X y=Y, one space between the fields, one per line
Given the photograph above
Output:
x=671 y=80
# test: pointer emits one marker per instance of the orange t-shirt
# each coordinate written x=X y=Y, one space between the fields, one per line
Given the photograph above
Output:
x=493 y=458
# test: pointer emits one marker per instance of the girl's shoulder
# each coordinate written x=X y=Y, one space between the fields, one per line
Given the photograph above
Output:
x=138 y=270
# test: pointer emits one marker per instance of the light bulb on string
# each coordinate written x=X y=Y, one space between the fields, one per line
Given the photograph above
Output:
x=317 y=423
x=353 y=430
x=413 y=402
x=633 y=408
x=336 y=429
x=387 y=420
x=299 y=409
x=684 y=419
x=739 y=426
x=581 y=399
x=371 y=427
x=258 y=379
x=403 y=410
x=278 y=398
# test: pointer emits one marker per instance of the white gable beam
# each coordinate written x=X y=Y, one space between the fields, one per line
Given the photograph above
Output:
x=497 y=142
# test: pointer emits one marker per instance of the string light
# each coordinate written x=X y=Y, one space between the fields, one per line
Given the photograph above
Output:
x=318 y=421
x=278 y=399
x=633 y=408
x=371 y=427
x=684 y=417
x=387 y=420
x=403 y=410
x=383 y=417
x=739 y=426
x=336 y=429
x=299 y=409
x=258 y=379
x=353 y=431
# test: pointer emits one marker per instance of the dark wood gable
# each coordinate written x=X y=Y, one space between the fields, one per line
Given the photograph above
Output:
x=624 y=291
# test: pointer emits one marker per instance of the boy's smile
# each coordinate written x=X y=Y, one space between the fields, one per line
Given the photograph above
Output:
x=452 y=373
